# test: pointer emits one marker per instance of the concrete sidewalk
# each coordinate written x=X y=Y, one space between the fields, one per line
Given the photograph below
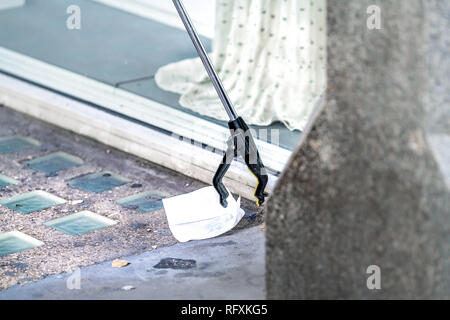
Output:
x=140 y=225
x=227 y=267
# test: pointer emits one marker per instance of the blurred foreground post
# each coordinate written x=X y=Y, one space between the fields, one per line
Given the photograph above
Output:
x=365 y=200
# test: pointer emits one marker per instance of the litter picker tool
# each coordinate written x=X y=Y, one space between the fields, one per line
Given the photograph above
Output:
x=241 y=143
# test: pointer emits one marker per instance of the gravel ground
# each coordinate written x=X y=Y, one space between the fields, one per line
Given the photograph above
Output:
x=135 y=232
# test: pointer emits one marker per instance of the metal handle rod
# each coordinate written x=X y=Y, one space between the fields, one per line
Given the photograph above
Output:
x=205 y=59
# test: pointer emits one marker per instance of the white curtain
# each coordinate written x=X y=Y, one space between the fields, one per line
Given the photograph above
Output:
x=271 y=56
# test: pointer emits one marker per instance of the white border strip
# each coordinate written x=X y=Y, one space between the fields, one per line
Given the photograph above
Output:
x=124 y=135
x=132 y=105
x=158 y=11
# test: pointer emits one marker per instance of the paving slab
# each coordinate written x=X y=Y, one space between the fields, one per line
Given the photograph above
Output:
x=80 y=223
x=31 y=202
x=14 y=144
x=15 y=241
x=144 y=202
x=54 y=162
x=7 y=181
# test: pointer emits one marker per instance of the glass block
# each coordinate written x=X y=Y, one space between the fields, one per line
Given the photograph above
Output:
x=15 y=241
x=32 y=201
x=16 y=143
x=80 y=223
x=98 y=182
x=54 y=162
x=7 y=181
x=143 y=202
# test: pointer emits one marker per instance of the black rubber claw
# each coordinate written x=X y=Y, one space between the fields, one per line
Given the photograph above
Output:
x=217 y=182
x=259 y=194
x=241 y=144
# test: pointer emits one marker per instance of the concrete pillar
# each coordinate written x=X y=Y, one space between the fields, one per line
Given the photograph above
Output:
x=367 y=188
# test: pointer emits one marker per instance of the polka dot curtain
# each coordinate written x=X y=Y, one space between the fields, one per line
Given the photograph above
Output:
x=271 y=56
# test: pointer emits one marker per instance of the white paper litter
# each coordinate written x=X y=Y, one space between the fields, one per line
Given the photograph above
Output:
x=199 y=214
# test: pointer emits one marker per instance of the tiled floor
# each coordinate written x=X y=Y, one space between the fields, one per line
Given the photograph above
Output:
x=132 y=48
x=80 y=201
x=74 y=224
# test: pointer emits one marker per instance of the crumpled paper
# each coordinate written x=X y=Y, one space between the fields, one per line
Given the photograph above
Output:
x=199 y=215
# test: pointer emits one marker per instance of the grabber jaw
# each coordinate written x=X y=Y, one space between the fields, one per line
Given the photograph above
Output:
x=259 y=172
x=218 y=185
x=259 y=193
x=241 y=144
